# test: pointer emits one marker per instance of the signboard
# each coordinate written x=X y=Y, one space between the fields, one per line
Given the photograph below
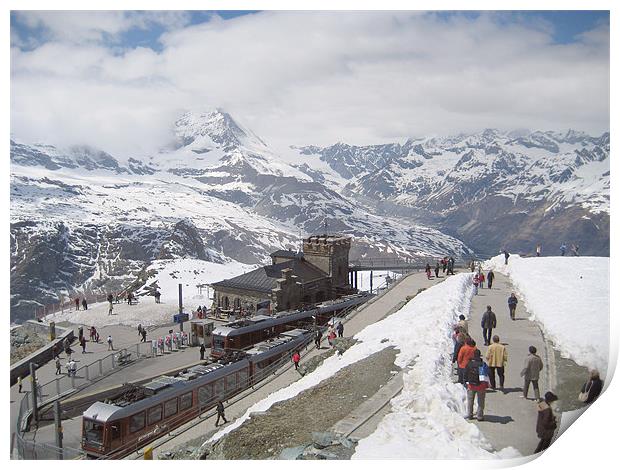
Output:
x=181 y=317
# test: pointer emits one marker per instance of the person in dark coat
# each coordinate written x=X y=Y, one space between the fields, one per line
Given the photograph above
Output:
x=143 y=335
x=220 y=413
x=506 y=256
x=512 y=305
x=84 y=304
x=476 y=388
x=202 y=351
x=437 y=269
x=451 y=265
x=592 y=387
x=317 y=338
x=83 y=344
x=489 y=321
x=428 y=271
x=490 y=277
x=77 y=303
x=340 y=329
x=546 y=423
x=157 y=296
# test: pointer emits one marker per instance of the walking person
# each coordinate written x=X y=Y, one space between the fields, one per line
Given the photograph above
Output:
x=506 y=256
x=19 y=384
x=83 y=344
x=110 y=308
x=531 y=372
x=459 y=342
x=546 y=423
x=538 y=249
x=58 y=367
x=481 y=279
x=476 y=280
x=466 y=352
x=490 y=277
x=317 y=338
x=563 y=249
x=512 y=305
x=139 y=329
x=477 y=383
x=489 y=321
x=340 y=329
x=497 y=358
x=575 y=250
x=331 y=335
x=84 y=304
x=451 y=265
x=428 y=271
x=202 y=351
x=110 y=345
x=220 y=413
x=463 y=325
x=77 y=303
x=592 y=388
x=437 y=269
x=143 y=335
x=296 y=357
x=157 y=297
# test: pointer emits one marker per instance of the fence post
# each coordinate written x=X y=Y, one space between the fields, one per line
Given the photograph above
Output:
x=100 y=367
x=137 y=350
x=72 y=381
x=86 y=374
x=57 y=387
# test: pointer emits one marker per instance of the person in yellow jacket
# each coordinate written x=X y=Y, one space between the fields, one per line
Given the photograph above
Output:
x=497 y=358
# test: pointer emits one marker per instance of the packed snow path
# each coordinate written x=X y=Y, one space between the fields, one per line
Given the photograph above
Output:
x=509 y=419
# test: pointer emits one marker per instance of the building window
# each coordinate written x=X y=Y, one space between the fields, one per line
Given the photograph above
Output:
x=136 y=422
x=170 y=408
x=154 y=415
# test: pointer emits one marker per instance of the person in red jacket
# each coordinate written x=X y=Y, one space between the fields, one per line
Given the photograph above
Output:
x=296 y=359
x=465 y=354
x=477 y=385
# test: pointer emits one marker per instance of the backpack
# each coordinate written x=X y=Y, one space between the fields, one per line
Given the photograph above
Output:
x=473 y=376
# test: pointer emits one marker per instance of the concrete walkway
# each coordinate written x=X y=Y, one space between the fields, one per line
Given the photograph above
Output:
x=509 y=419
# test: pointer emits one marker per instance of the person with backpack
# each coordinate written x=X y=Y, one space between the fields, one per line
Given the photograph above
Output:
x=546 y=423
x=531 y=372
x=489 y=321
x=466 y=352
x=497 y=357
x=476 y=377
x=490 y=277
x=512 y=305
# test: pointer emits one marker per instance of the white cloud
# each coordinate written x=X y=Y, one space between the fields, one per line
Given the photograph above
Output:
x=312 y=77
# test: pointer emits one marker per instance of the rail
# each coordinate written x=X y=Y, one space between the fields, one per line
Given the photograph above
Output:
x=67 y=385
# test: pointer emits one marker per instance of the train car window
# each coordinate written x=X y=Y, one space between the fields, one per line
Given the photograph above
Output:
x=242 y=376
x=185 y=401
x=136 y=422
x=231 y=381
x=219 y=388
x=218 y=342
x=170 y=408
x=154 y=415
x=93 y=431
x=115 y=431
x=205 y=394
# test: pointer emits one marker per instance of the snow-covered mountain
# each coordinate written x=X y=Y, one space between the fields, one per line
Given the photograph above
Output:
x=490 y=189
x=84 y=219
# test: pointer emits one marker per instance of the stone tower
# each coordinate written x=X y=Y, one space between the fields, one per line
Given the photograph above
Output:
x=329 y=253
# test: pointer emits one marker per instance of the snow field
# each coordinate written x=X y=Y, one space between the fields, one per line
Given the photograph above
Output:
x=569 y=296
x=427 y=421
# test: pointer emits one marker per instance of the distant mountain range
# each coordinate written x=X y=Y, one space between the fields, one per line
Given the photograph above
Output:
x=82 y=218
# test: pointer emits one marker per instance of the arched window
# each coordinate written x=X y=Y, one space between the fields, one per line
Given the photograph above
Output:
x=226 y=303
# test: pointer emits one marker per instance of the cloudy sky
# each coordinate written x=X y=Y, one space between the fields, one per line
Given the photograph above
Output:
x=117 y=80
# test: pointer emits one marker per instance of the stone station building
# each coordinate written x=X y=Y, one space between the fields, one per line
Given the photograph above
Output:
x=292 y=280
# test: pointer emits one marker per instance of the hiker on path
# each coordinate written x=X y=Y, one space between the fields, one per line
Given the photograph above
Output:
x=296 y=357
x=546 y=423
x=538 y=249
x=563 y=249
x=157 y=297
x=497 y=358
x=506 y=256
x=464 y=355
x=472 y=266
x=475 y=376
x=317 y=338
x=110 y=345
x=463 y=324
x=83 y=344
x=592 y=387
x=110 y=298
x=459 y=342
x=490 y=277
x=451 y=265
x=84 y=304
x=489 y=321
x=428 y=271
x=58 y=367
x=139 y=329
x=531 y=372
x=481 y=279
x=202 y=351
x=77 y=303
x=143 y=335
x=340 y=329
x=220 y=413
x=512 y=305
x=19 y=384
x=476 y=280
x=110 y=308
x=575 y=250
x=331 y=335
x=444 y=264
x=437 y=269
